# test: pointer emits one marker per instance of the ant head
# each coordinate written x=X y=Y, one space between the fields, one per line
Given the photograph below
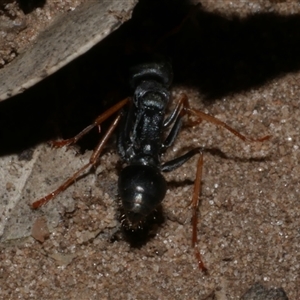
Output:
x=142 y=189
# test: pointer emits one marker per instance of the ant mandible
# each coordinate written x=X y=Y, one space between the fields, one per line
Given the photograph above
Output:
x=142 y=122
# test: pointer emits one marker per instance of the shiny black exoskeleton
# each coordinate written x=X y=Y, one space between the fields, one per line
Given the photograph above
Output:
x=141 y=185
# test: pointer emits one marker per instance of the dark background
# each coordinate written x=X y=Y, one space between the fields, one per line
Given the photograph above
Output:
x=210 y=52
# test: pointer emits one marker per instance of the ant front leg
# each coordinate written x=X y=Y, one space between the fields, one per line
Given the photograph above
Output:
x=92 y=162
x=203 y=116
x=100 y=119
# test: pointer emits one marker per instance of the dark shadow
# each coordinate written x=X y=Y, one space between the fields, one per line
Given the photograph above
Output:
x=172 y=184
x=218 y=55
x=28 y=6
x=215 y=54
x=225 y=56
x=221 y=154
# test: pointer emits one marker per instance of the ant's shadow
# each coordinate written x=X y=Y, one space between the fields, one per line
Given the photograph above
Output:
x=216 y=54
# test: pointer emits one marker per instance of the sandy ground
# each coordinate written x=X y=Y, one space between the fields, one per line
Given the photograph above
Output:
x=243 y=69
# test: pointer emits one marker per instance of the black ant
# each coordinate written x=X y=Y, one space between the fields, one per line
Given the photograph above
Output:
x=142 y=123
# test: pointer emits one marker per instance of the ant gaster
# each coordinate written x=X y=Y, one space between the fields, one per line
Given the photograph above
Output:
x=140 y=144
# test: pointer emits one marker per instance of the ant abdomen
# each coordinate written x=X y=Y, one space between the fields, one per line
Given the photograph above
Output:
x=141 y=188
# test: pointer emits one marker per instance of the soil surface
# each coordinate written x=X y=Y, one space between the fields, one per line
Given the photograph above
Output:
x=236 y=60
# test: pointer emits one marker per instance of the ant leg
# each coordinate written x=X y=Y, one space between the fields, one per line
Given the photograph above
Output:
x=179 y=161
x=123 y=136
x=176 y=116
x=195 y=206
x=174 y=164
x=97 y=122
x=92 y=162
x=203 y=116
x=172 y=134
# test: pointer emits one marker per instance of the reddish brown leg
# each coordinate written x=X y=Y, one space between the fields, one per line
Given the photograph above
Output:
x=203 y=116
x=93 y=160
x=195 y=205
x=97 y=122
x=183 y=108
